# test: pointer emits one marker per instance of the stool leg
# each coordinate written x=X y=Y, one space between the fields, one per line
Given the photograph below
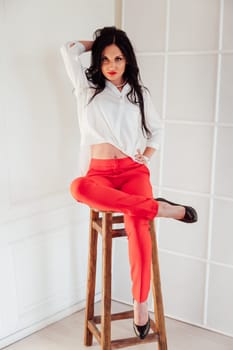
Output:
x=157 y=293
x=106 y=281
x=91 y=278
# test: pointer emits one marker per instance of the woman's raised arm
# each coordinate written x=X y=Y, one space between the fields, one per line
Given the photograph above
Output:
x=71 y=52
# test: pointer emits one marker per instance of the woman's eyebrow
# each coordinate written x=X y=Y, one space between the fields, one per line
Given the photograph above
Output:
x=105 y=56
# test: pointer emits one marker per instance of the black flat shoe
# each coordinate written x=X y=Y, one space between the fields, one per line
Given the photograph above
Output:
x=190 y=213
x=142 y=331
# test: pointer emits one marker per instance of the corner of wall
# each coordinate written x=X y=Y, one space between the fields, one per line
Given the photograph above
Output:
x=118 y=13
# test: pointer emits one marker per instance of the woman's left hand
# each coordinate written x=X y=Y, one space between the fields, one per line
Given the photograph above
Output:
x=140 y=158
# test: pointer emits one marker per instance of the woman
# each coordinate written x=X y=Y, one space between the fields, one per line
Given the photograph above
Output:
x=120 y=131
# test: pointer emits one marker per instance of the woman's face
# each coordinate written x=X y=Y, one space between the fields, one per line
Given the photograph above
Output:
x=113 y=64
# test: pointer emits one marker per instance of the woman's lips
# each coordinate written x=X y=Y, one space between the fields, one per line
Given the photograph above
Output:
x=112 y=73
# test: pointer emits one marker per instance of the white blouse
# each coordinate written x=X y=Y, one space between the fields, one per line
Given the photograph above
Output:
x=110 y=117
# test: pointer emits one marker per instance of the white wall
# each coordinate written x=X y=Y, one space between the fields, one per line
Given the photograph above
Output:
x=185 y=50
x=43 y=232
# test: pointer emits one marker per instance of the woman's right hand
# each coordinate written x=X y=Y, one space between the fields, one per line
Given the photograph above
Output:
x=87 y=43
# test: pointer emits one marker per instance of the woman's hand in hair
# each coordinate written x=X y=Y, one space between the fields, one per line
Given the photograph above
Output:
x=87 y=44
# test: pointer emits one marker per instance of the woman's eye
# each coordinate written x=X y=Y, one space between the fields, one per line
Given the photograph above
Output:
x=118 y=59
x=104 y=59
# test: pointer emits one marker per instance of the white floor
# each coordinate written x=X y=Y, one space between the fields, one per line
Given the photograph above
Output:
x=67 y=334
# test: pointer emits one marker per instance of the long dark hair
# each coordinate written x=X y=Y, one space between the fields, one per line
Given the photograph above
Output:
x=105 y=37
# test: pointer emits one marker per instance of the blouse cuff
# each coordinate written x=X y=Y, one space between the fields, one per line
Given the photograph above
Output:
x=153 y=145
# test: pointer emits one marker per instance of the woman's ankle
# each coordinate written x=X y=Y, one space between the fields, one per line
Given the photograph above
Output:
x=168 y=211
x=140 y=313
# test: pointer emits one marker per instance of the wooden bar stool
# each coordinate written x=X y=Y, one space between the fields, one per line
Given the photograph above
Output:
x=102 y=222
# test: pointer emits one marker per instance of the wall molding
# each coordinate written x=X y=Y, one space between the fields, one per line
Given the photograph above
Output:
x=42 y=324
x=118 y=13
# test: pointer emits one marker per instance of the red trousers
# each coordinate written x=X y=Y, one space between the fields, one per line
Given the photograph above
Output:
x=123 y=185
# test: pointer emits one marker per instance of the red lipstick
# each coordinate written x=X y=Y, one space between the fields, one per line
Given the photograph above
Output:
x=112 y=73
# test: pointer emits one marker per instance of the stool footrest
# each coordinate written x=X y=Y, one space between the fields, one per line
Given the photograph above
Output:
x=125 y=342
x=115 y=317
x=121 y=343
x=117 y=232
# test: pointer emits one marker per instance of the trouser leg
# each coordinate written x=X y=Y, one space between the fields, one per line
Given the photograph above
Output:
x=128 y=191
x=99 y=192
x=139 y=240
x=139 y=248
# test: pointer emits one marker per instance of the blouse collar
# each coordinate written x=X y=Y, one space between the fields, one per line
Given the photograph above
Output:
x=112 y=87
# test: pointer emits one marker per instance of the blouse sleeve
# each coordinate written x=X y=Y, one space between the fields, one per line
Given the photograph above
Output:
x=153 y=122
x=74 y=68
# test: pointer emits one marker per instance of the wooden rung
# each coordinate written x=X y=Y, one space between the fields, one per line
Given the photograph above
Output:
x=94 y=330
x=115 y=220
x=122 y=315
x=97 y=227
x=118 y=219
x=115 y=317
x=122 y=343
x=153 y=326
x=117 y=232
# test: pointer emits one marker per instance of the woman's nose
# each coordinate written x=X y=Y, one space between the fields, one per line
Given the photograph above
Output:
x=112 y=65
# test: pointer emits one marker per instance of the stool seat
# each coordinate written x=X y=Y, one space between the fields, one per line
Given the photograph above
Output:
x=102 y=222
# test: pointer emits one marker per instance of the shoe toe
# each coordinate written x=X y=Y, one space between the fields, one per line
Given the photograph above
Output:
x=190 y=215
x=142 y=331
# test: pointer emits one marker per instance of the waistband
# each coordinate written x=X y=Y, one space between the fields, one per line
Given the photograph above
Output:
x=111 y=163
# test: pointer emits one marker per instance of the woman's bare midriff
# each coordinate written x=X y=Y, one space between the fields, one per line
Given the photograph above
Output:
x=106 y=151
